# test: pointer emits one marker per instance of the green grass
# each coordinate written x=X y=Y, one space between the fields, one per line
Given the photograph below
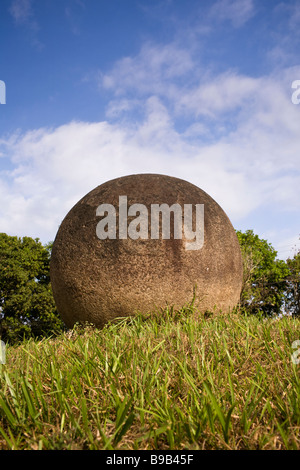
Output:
x=175 y=380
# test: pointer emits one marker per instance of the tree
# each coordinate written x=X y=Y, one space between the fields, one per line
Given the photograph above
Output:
x=292 y=303
x=264 y=277
x=27 y=307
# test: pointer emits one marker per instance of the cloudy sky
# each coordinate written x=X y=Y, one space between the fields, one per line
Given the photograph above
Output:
x=197 y=89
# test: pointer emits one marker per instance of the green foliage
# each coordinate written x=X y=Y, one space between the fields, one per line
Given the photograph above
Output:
x=26 y=301
x=264 y=280
x=293 y=285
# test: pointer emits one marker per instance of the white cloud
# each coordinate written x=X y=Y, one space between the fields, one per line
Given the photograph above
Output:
x=21 y=10
x=73 y=13
x=238 y=12
x=118 y=107
x=150 y=71
x=23 y=15
x=218 y=94
x=285 y=36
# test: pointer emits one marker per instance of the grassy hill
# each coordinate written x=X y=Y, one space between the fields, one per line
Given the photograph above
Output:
x=177 y=380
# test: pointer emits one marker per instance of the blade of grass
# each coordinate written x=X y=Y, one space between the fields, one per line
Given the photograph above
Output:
x=152 y=433
x=122 y=424
x=12 y=419
x=188 y=377
x=123 y=428
x=25 y=386
x=13 y=394
x=10 y=440
x=284 y=437
x=224 y=419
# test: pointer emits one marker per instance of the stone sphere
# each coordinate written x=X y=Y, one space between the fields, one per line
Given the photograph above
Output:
x=140 y=243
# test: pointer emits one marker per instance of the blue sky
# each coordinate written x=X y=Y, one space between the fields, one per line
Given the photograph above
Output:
x=197 y=89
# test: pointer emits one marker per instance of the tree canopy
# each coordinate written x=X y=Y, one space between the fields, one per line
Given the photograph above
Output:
x=293 y=285
x=27 y=307
x=270 y=285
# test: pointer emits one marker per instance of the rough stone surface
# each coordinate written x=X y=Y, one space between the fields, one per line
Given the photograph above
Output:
x=97 y=280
